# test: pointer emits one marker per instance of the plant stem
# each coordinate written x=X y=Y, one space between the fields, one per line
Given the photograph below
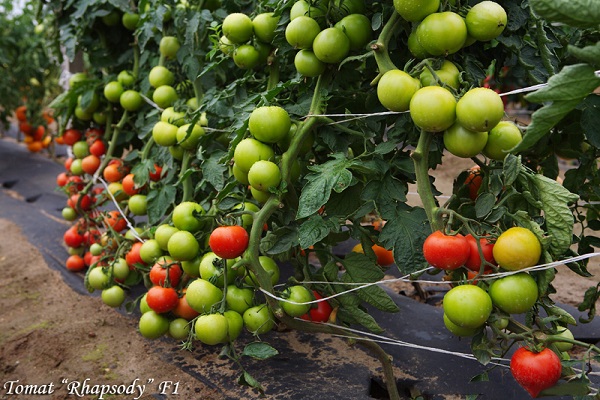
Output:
x=187 y=181
x=380 y=48
x=420 y=158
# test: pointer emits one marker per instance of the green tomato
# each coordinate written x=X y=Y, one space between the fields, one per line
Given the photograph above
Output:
x=317 y=10
x=183 y=246
x=113 y=296
x=442 y=33
x=126 y=78
x=415 y=10
x=458 y=330
x=301 y=32
x=247 y=219
x=235 y=324
x=249 y=151
x=130 y=21
x=567 y=334
x=160 y=76
x=259 y=195
x=395 y=89
x=464 y=143
x=269 y=124
x=98 y=278
x=150 y=251
x=131 y=100
x=448 y=74
x=501 y=139
x=212 y=266
x=237 y=27
x=296 y=294
x=153 y=325
x=308 y=64
x=189 y=140
x=80 y=149
x=163 y=233
x=264 y=175
x=239 y=299
x=258 y=319
x=138 y=204
x=331 y=45
x=192 y=267
x=239 y=175
x=358 y=29
x=415 y=48
x=165 y=96
x=246 y=56
x=467 y=306
x=185 y=216
x=120 y=269
x=113 y=91
x=164 y=134
x=480 y=109
x=179 y=329
x=269 y=265
x=169 y=46
x=202 y=295
x=514 y=294
x=433 y=108
x=264 y=26
x=69 y=214
x=486 y=20
x=211 y=329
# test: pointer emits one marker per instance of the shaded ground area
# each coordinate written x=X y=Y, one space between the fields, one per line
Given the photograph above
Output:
x=52 y=330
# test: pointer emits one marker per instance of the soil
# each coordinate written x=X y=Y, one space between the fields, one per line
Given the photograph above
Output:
x=54 y=337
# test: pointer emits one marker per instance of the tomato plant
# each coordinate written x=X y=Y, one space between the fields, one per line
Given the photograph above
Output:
x=300 y=109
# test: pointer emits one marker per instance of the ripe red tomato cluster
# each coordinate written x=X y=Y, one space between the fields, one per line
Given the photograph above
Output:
x=449 y=252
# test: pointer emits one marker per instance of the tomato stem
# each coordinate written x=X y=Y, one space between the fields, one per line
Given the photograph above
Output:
x=380 y=47
x=420 y=157
x=186 y=181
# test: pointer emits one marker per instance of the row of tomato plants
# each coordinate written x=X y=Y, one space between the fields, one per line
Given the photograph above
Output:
x=211 y=141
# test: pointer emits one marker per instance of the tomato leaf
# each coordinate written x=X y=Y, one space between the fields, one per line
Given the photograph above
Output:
x=213 y=170
x=483 y=377
x=159 y=200
x=404 y=233
x=386 y=193
x=350 y=313
x=590 y=119
x=572 y=388
x=482 y=348
x=484 y=204
x=555 y=201
x=279 y=240
x=590 y=298
x=511 y=169
x=361 y=269
x=315 y=229
x=588 y=54
x=576 y=13
x=563 y=93
x=331 y=175
x=259 y=350
x=248 y=380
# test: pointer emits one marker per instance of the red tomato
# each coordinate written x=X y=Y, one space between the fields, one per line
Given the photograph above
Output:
x=97 y=148
x=444 y=251
x=133 y=256
x=84 y=204
x=535 y=371
x=474 y=260
x=75 y=263
x=71 y=136
x=184 y=310
x=162 y=299
x=158 y=273
x=62 y=179
x=228 y=241
x=115 y=220
x=129 y=186
x=155 y=175
x=72 y=237
x=319 y=314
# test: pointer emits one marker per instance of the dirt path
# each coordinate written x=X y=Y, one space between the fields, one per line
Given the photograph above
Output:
x=50 y=335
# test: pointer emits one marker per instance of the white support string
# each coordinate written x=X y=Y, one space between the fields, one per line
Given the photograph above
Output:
x=116 y=203
x=405 y=278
